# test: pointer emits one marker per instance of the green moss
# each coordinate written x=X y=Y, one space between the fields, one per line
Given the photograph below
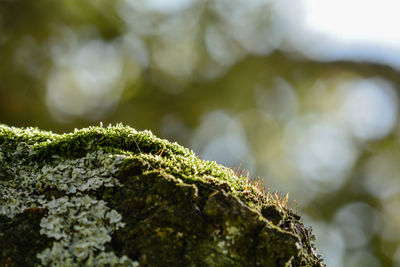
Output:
x=116 y=196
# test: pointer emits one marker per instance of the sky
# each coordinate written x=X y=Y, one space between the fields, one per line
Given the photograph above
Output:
x=355 y=30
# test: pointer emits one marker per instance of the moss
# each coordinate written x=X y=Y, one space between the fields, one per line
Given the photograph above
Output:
x=116 y=196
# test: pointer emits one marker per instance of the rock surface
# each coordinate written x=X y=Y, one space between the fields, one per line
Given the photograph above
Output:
x=118 y=197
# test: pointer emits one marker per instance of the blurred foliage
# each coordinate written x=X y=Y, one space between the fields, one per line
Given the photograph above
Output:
x=221 y=78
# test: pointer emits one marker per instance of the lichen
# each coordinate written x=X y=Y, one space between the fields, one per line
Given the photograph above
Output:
x=117 y=197
x=81 y=227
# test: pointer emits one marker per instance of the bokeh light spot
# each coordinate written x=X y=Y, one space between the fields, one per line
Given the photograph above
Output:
x=381 y=173
x=221 y=138
x=370 y=108
x=85 y=79
x=351 y=221
x=321 y=151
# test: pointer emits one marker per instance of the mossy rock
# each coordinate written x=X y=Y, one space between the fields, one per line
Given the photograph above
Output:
x=118 y=197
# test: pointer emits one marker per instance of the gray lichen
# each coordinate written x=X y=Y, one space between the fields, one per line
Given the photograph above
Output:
x=80 y=224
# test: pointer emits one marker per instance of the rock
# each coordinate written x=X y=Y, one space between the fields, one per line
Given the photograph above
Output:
x=118 y=197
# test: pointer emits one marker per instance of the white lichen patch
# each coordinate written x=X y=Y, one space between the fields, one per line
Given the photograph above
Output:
x=80 y=225
x=94 y=170
x=84 y=174
x=222 y=246
x=225 y=242
x=232 y=230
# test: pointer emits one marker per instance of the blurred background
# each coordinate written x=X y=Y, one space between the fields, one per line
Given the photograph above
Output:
x=303 y=93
